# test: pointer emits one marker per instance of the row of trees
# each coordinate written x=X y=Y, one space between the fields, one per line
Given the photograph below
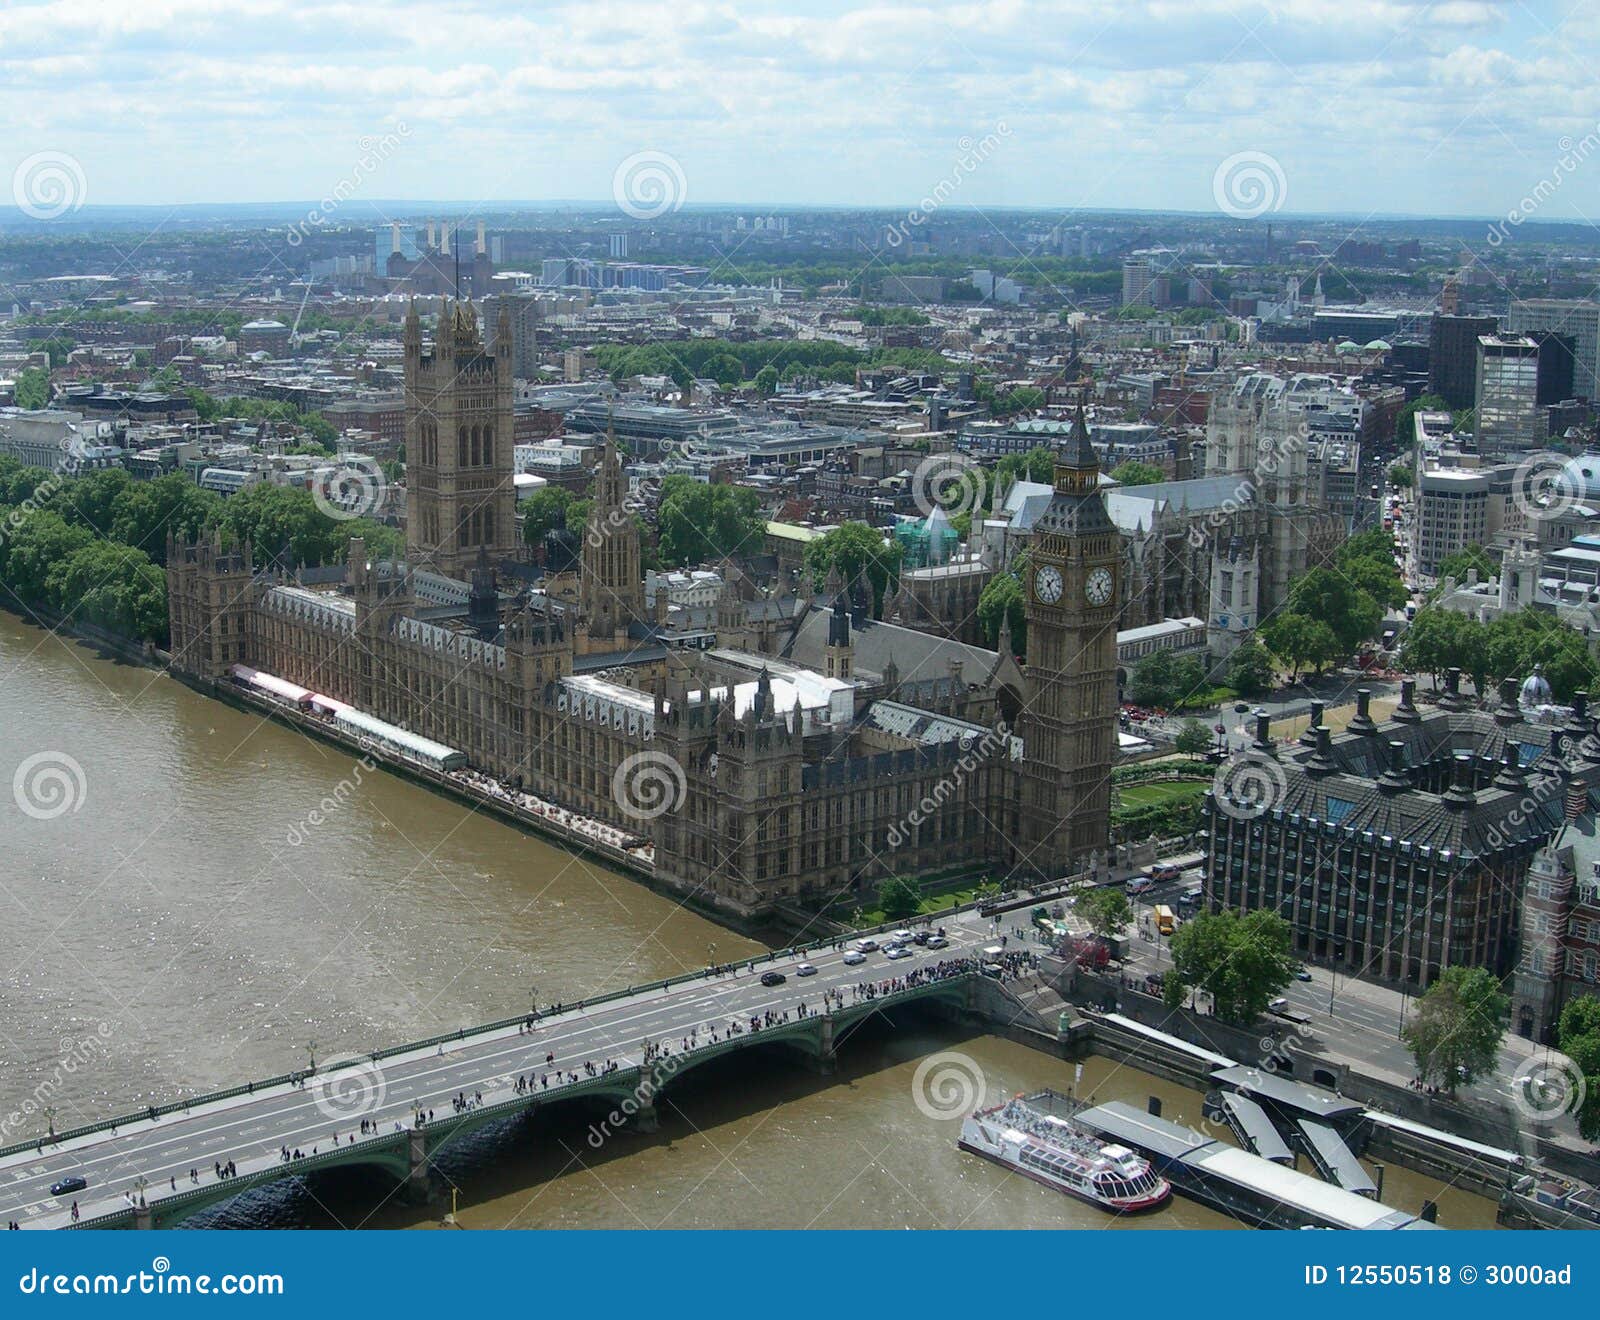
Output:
x=210 y=408
x=1506 y=647
x=95 y=546
x=731 y=363
x=48 y=561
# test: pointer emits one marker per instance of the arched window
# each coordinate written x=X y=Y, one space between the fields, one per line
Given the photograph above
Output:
x=488 y=446
x=461 y=446
x=477 y=447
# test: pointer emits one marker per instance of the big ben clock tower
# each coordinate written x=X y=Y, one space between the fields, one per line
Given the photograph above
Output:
x=1069 y=718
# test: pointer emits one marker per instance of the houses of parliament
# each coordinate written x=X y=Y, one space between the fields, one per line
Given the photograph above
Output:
x=804 y=753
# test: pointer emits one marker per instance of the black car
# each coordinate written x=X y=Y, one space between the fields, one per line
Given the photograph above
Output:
x=773 y=978
x=67 y=1186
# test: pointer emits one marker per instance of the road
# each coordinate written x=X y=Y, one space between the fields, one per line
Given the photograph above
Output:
x=158 y=1155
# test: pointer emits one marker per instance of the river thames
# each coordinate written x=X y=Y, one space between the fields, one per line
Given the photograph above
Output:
x=194 y=896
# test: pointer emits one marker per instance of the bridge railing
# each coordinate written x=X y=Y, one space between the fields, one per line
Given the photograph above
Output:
x=582 y=1005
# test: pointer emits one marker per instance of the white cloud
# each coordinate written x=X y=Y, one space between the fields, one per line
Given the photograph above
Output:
x=1386 y=103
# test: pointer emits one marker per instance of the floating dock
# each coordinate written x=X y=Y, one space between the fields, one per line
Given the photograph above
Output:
x=1237 y=1182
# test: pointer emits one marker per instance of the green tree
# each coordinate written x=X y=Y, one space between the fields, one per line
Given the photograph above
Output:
x=1514 y=643
x=143 y=515
x=543 y=512
x=1405 y=426
x=1190 y=680
x=700 y=522
x=1329 y=595
x=1003 y=597
x=114 y=586
x=1439 y=639
x=1135 y=473
x=1152 y=682
x=854 y=548
x=1455 y=1032
x=1193 y=739
x=1299 y=641
x=1401 y=475
x=899 y=898
x=1464 y=561
x=31 y=389
x=1250 y=670
x=1578 y=1035
x=41 y=540
x=278 y=518
x=1038 y=464
x=1242 y=962
x=767 y=382
x=1106 y=909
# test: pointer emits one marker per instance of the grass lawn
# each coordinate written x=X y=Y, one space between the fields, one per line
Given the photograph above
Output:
x=943 y=897
x=1335 y=717
x=1142 y=795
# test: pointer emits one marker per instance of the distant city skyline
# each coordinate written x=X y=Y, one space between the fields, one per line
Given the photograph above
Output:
x=1383 y=107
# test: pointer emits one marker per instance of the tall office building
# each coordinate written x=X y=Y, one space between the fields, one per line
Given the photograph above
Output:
x=1578 y=318
x=619 y=247
x=1137 y=280
x=1506 y=402
x=1558 y=365
x=1453 y=357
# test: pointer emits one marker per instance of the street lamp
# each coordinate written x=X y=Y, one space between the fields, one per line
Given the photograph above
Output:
x=311 y=1053
x=711 y=953
x=533 y=1000
x=139 y=1184
x=50 y=1120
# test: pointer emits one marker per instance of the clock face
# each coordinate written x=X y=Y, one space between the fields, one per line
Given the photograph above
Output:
x=1097 y=586
x=1047 y=584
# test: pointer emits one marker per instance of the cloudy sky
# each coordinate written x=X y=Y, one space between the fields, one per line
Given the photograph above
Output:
x=1461 y=107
